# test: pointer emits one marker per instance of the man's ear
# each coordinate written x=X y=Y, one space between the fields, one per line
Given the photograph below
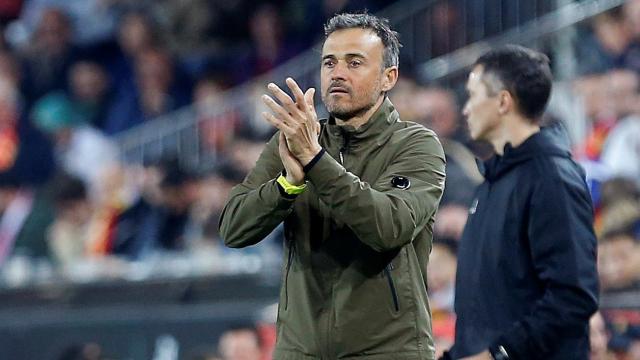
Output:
x=506 y=102
x=389 y=78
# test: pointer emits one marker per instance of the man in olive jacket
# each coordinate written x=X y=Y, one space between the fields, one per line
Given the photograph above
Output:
x=358 y=194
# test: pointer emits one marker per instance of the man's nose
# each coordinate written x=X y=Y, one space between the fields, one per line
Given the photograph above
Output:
x=339 y=71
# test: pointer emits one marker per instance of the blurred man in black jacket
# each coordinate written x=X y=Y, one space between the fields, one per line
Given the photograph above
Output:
x=526 y=282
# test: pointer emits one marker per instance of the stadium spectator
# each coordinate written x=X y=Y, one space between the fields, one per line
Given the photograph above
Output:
x=436 y=108
x=158 y=217
x=607 y=46
x=621 y=149
x=216 y=185
x=160 y=87
x=241 y=343
x=269 y=47
x=68 y=235
x=95 y=18
x=618 y=189
x=49 y=55
x=619 y=247
x=441 y=275
x=136 y=33
x=598 y=339
x=190 y=27
x=217 y=125
x=446 y=28
x=90 y=92
x=80 y=149
x=26 y=215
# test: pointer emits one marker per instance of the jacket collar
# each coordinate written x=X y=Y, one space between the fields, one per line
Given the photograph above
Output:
x=385 y=116
x=549 y=141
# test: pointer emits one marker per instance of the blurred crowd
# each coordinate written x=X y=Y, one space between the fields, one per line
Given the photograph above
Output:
x=75 y=73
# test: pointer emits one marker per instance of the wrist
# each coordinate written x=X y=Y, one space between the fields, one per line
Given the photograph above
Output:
x=293 y=181
x=288 y=188
x=306 y=168
x=307 y=158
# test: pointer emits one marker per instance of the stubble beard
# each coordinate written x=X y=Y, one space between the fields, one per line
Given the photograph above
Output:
x=345 y=113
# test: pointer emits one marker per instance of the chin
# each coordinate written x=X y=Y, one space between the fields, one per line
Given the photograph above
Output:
x=340 y=112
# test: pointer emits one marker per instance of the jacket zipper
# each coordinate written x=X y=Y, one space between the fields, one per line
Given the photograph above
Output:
x=345 y=146
x=392 y=287
x=286 y=277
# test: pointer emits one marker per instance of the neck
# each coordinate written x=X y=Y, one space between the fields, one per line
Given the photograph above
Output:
x=358 y=121
x=516 y=130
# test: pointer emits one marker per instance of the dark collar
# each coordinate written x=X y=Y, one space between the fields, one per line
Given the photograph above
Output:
x=385 y=116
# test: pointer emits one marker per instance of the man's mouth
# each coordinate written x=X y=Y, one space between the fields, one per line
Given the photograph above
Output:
x=338 y=90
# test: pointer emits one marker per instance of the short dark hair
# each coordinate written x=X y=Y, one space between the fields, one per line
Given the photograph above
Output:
x=380 y=26
x=524 y=73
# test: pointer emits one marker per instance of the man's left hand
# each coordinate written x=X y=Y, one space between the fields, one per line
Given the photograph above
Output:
x=296 y=119
x=485 y=355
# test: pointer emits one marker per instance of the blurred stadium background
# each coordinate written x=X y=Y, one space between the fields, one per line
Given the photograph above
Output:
x=124 y=124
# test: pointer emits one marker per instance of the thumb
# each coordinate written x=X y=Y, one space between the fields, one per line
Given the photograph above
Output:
x=283 y=146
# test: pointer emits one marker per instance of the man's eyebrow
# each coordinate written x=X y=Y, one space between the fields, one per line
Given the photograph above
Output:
x=349 y=55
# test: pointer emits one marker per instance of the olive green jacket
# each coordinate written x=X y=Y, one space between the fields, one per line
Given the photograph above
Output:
x=356 y=245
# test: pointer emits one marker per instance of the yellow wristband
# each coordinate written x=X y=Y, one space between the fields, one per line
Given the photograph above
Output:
x=290 y=189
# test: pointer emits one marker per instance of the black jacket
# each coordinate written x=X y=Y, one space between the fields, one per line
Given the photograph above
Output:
x=527 y=276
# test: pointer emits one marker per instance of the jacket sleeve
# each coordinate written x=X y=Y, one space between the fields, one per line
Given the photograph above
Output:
x=382 y=216
x=256 y=206
x=563 y=249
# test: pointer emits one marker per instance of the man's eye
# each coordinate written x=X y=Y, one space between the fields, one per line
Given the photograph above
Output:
x=355 y=63
x=328 y=63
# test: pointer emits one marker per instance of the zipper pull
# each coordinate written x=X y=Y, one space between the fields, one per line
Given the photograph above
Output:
x=345 y=145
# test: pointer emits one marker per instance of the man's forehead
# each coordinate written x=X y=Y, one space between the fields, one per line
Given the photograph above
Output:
x=351 y=41
x=475 y=75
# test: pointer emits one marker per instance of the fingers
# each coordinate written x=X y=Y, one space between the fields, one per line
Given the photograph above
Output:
x=284 y=99
x=311 y=108
x=281 y=113
x=289 y=113
x=308 y=98
x=277 y=122
x=297 y=93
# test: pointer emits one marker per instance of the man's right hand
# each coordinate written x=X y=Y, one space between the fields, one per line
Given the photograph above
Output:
x=295 y=173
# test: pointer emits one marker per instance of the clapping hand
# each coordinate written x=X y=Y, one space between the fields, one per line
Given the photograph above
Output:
x=297 y=120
